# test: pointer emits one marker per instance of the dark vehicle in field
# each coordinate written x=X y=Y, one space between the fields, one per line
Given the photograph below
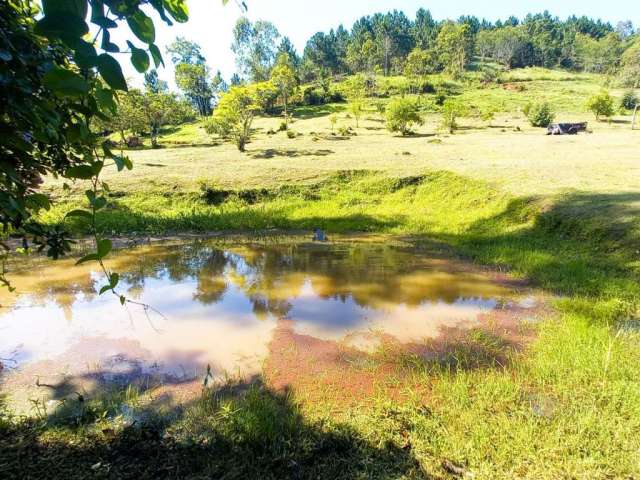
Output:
x=566 y=128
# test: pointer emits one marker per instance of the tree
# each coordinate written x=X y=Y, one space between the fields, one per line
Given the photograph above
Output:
x=234 y=116
x=508 y=43
x=129 y=116
x=402 y=114
x=630 y=65
x=194 y=81
x=160 y=109
x=597 y=55
x=153 y=83
x=235 y=80
x=54 y=85
x=425 y=30
x=624 y=28
x=485 y=43
x=355 y=89
x=451 y=110
x=321 y=54
x=602 y=105
x=287 y=48
x=185 y=51
x=284 y=79
x=192 y=74
x=452 y=44
x=420 y=63
x=254 y=45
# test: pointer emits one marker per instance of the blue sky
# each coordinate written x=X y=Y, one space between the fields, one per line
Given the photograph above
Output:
x=211 y=24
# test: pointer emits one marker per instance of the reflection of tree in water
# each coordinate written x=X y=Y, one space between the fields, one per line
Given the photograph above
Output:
x=212 y=284
x=373 y=275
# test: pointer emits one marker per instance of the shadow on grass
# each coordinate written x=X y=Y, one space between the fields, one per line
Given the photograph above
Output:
x=582 y=244
x=316 y=111
x=278 y=152
x=241 y=217
x=239 y=431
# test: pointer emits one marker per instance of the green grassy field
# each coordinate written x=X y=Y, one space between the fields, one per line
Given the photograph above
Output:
x=561 y=212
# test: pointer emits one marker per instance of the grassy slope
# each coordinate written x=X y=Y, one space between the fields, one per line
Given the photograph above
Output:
x=568 y=408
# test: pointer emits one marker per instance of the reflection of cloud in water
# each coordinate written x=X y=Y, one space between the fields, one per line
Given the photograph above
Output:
x=222 y=305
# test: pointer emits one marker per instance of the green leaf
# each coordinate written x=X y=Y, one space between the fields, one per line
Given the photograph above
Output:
x=106 y=149
x=81 y=172
x=114 y=278
x=157 y=4
x=74 y=7
x=106 y=45
x=85 y=54
x=122 y=162
x=88 y=258
x=104 y=96
x=177 y=9
x=99 y=203
x=40 y=200
x=62 y=25
x=123 y=300
x=104 y=247
x=139 y=58
x=157 y=56
x=97 y=10
x=142 y=26
x=76 y=133
x=65 y=82
x=111 y=72
x=84 y=214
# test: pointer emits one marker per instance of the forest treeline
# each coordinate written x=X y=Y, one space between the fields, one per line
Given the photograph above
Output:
x=392 y=43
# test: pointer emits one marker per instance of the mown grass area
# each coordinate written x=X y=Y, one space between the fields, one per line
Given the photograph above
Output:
x=561 y=212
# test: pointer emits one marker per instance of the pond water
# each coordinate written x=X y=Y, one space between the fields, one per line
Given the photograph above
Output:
x=221 y=304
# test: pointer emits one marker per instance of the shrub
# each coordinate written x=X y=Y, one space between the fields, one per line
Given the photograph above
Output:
x=539 y=114
x=402 y=114
x=601 y=105
x=346 y=131
x=234 y=116
x=291 y=134
x=452 y=109
x=629 y=100
x=333 y=119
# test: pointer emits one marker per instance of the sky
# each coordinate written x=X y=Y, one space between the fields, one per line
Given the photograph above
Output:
x=211 y=24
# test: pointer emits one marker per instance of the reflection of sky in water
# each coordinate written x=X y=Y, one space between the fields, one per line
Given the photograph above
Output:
x=223 y=306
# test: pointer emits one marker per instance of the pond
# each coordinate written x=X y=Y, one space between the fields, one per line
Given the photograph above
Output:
x=240 y=307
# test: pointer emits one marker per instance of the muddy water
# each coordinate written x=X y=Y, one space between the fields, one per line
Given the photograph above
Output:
x=236 y=307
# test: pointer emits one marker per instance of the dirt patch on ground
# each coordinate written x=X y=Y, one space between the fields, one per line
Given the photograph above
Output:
x=358 y=368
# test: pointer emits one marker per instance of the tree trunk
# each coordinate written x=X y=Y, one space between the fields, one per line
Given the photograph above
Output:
x=154 y=136
x=286 y=116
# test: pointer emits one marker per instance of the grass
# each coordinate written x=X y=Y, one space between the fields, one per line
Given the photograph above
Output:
x=559 y=211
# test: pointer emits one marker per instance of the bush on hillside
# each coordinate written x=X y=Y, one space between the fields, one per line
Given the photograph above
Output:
x=629 y=100
x=539 y=114
x=402 y=114
x=318 y=96
x=601 y=105
x=451 y=110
